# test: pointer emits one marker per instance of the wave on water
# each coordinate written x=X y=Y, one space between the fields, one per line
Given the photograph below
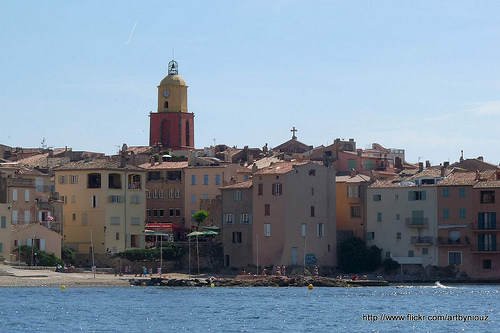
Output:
x=439 y=285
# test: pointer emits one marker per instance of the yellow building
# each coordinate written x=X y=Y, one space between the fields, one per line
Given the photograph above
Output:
x=104 y=198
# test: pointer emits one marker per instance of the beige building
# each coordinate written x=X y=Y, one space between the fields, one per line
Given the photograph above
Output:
x=203 y=182
x=105 y=199
x=4 y=231
x=294 y=220
x=402 y=221
x=35 y=234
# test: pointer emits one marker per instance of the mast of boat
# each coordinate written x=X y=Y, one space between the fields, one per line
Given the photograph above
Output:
x=92 y=247
x=257 y=254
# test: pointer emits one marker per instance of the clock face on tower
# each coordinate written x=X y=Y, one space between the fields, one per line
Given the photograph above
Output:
x=166 y=93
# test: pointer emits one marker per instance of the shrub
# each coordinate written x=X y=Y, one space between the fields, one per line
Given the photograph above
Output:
x=390 y=265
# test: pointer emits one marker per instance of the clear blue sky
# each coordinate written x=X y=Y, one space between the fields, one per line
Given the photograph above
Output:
x=423 y=76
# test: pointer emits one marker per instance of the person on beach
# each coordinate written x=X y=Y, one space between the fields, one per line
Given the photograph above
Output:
x=283 y=270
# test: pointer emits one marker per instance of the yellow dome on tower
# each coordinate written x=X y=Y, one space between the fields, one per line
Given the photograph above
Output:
x=172 y=80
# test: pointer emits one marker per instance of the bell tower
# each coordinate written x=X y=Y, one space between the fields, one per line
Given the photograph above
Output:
x=172 y=126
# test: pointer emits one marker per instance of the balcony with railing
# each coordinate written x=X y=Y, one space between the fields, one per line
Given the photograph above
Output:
x=491 y=226
x=420 y=222
x=485 y=248
x=20 y=182
x=453 y=241
x=421 y=240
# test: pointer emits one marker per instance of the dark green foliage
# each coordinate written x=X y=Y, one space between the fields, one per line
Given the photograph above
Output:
x=354 y=256
x=67 y=254
x=390 y=265
x=44 y=258
x=199 y=217
x=171 y=251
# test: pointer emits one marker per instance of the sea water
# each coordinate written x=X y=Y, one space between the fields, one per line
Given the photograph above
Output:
x=262 y=309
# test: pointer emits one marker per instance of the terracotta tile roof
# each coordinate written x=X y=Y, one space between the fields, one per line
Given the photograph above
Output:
x=395 y=184
x=246 y=184
x=359 y=178
x=265 y=162
x=488 y=184
x=434 y=172
x=139 y=150
x=279 y=168
x=98 y=164
x=18 y=227
x=459 y=179
x=244 y=169
x=165 y=165
x=22 y=168
x=43 y=161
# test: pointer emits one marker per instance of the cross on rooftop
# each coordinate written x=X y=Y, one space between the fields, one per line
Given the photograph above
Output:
x=294 y=130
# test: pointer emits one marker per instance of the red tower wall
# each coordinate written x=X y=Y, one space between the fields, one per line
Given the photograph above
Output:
x=173 y=130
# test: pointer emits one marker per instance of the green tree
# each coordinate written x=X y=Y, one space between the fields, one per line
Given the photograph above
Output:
x=354 y=256
x=199 y=217
x=67 y=254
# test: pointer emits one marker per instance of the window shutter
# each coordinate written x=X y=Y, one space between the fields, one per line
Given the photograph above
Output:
x=128 y=240
x=424 y=195
x=42 y=244
x=273 y=189
x=4 y=222
x=234 y=195
x=29 y=241
x=322 y=229
x=411 y=195
x=122 y=198
x=368 y=235
x=480 y=220
x=241 y=219
x=142 y=241
x=494 y=221
x=250 y=218
x=233 y=218
x=360 y=191
x=317 y=230
x=480 y=242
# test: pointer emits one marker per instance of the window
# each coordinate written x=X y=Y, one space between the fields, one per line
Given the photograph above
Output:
x=487 y=242
x=487 y=221
x=411 y=253
x=193 y=179
x=320 y=230
x=229 y=218
x=246 y=177
x=95 y=201
x=94 y=180
x=267 y=229
x=454 y=258
x=370 y=235
x=377 y=197
x=73 y=198
x=425 y=250
x=114 y=181
x=355 y=212
x=246 y=218
x=462 y=213
x=303 y=230
x=398 y=235
x=116 y=198
x=15 y=217
x=114 y=220
x=161 y=194
x=446 y=193
x=379 y=217
x=171 y=193
x=177 y=212
x=148 y=194
x=171 y=212
x=174 y=176
x=398 y=217
x=237 y=237
x=155 y=212
x=352 y=191
x=135 y=199
x=135 y=221
x=416 y=195
x=446 y=213
x=161 y=213
x=154 y=176
x=4 y=222
x=237 y=195
x=396 y=197
x=155 y=194
x=267 y=209
x=148 y=212
x=193 y=198
x=14 y=195
x=461 y=192
x=73 y=217
x=368 y=165
x=312 y=172
x=63 y=179
x=277 y=189
x=117 y=236
x=312 y=211
x=177 y=193
x=487 y=196
x=26 y=195
x=312 y=191
x=205 y=179
x=217 y=179
x=205 y=195
x=260 y=189
x=352 y=164
x=486 y=264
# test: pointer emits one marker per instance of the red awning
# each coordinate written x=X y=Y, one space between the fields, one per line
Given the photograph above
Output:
x=171 y=227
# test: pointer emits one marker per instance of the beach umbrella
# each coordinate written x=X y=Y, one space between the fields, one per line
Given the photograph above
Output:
x=196 y=234
x=210 y=233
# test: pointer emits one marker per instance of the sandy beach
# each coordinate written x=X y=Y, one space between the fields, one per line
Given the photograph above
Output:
x=17 y=277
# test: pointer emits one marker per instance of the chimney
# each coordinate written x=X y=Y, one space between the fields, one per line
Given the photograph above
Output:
x=443 y=168
x=353 y=173
x=152 y=160
x=420 y=166
x=446 y=164
x=427 y=164
x=249 y=158
x=461 y=156
x=359 y=151
x=480 y=158
x=123 y=160
x=255 y=168
x=478 y=175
